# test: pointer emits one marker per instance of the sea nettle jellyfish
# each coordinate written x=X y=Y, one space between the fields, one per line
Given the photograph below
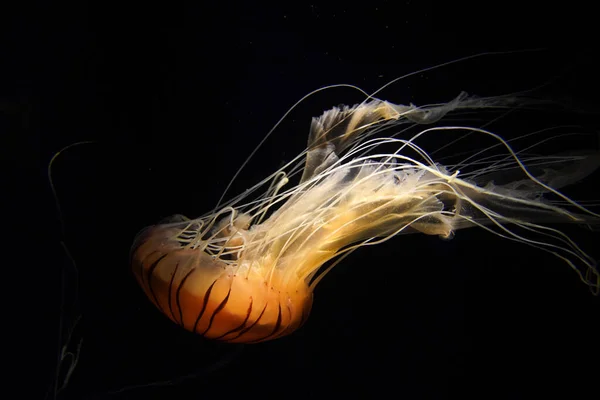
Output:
x=245 y=272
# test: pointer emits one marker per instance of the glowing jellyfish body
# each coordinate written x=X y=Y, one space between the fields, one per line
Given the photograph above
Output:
x=246 y=272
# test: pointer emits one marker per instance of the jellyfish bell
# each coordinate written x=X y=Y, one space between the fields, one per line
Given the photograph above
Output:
x=246 y=271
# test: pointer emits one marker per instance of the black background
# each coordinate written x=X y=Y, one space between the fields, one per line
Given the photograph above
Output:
x=177 y=96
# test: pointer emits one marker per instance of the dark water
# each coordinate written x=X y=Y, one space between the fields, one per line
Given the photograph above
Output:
x=177 y=97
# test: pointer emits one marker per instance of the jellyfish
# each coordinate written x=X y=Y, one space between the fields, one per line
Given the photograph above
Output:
x=246 y=271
